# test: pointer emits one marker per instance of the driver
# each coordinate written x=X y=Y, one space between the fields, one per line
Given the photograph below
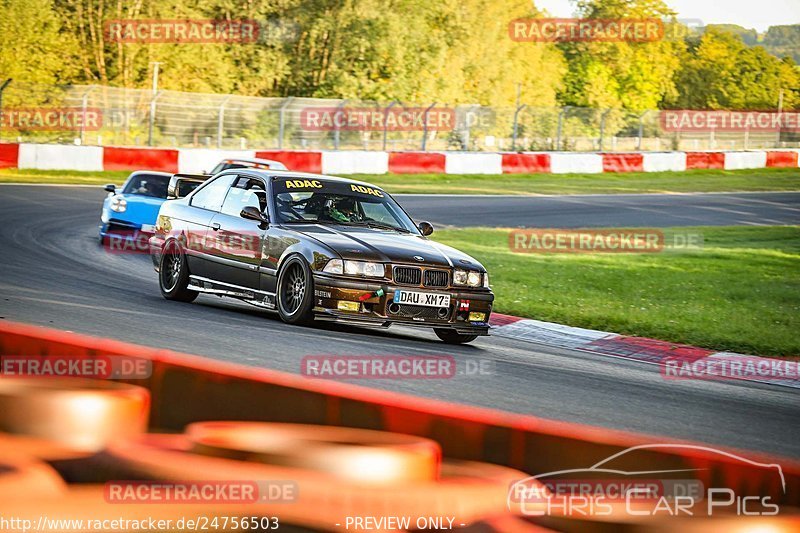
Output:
x=142 y=188
x=342 y=209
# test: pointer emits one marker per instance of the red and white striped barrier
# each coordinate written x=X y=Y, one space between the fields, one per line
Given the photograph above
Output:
x=193 y=160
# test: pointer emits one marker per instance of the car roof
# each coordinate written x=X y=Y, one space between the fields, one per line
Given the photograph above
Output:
x=253 y=160
x=151 y=173
x=266 y=173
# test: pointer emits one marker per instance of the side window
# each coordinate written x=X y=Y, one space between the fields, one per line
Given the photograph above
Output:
x=211 y=195
x=245 y=192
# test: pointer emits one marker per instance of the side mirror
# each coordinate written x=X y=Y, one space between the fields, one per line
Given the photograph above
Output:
x=252 y=213
x=425 y=227
x=110 y=188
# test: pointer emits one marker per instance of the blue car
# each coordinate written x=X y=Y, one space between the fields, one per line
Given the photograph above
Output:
x=133 y=210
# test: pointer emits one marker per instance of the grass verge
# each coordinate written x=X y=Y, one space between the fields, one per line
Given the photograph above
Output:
x=772 y=179
x=740 y=292
x=64 y=177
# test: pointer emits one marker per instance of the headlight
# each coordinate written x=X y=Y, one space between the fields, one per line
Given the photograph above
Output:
x=464 y=277
x=364 y=268
x=486 y=280
x=334 y=266
x=355 y=268
x=118 y=204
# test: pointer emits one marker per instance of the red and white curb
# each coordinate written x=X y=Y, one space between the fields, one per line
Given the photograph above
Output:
x=677 y=361
x=191 y=160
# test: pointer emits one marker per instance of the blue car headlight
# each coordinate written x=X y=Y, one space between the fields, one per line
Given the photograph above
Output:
x=118 y=204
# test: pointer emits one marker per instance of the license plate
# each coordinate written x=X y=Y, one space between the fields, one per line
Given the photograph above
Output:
x=426 y=299
x=148 y=228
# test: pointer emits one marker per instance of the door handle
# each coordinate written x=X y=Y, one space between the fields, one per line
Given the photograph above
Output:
x=215 y=226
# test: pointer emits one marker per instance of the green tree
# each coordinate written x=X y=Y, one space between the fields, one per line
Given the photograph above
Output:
x=783 y=41
x=627 y=75
x=32 y=47
x=748 y=35
x=722 y=72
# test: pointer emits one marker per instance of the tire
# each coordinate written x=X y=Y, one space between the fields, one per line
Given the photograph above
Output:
x=449 y=336
x=295 y=295
x=173 y=274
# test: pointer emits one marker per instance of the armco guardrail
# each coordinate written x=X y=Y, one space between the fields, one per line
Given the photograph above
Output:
x=193 y=160
x=187 y=389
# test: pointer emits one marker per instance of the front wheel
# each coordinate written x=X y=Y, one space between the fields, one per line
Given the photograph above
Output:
x=450 y=336
x=296 y=292
x=173 y=274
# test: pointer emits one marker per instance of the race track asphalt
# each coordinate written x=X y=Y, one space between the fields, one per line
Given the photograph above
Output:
x=53 y=273
x=592 y=211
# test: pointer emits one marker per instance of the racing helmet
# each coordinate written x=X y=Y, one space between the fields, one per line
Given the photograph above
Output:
x=341 y=209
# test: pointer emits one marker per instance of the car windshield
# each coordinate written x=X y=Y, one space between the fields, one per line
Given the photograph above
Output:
x=147 y=185
x=328 y=202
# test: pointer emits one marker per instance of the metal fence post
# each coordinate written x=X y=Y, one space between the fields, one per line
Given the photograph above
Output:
x=641 y=130
x=336 y=124
x=152 y=118
x=467 y=129
x=602 y=128
x=84 y=106
x=560 y=125
x=282 y=122
x=425 y=127
x=385 y=122
x=221 y=120
x=514 y=132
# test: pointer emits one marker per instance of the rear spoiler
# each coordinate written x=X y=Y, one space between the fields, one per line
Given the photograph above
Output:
x=181 y=185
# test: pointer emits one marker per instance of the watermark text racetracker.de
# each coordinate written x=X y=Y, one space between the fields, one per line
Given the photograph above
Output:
x=198 y=31
x=377 y=119
x=617 y=241
x=560 y=30
x=50 y=118
x=392 y=367
x=181 y=31
x=200 y=492
x=707 y=121
x=725 y=366
x=73 y=366
x=129 y=241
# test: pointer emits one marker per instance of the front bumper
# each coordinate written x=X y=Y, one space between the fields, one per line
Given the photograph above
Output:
x=125 y=238
x=370 y=303
x=116 y=226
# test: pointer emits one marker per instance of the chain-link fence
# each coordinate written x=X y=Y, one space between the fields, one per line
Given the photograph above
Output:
x=138 y=117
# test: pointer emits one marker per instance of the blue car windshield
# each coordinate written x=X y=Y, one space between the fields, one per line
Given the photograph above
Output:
x=151 y=185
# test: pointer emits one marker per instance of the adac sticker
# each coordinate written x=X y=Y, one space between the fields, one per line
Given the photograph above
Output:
x=303 y=184
x=366 y=190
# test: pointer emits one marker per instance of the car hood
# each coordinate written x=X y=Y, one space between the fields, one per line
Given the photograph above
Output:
x=141 y=209
x=368 y=244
